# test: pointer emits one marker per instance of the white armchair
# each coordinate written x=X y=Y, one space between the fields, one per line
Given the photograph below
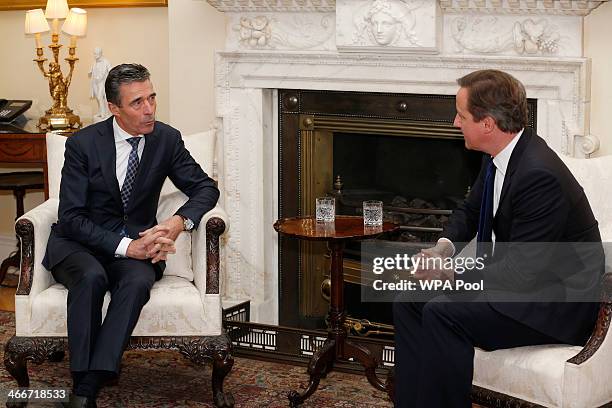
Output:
x=560 y=376
x=184 y=311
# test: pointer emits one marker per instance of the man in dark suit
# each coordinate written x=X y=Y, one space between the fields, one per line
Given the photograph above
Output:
x=107 y=237
x=523 y=202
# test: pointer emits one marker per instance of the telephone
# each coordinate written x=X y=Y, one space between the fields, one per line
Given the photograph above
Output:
x=11 y=109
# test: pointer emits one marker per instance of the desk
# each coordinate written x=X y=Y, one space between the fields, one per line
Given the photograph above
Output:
x=27 y=149
x=337 y=346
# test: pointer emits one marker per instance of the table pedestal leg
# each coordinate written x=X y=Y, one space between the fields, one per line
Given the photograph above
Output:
x=323 y=360
x=320 y=364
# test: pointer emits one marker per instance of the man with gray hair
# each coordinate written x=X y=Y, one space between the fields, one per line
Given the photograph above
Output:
x=107 y=237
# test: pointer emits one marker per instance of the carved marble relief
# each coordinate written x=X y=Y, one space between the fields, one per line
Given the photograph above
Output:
x=386 y=25
x=511 y=36
x=283 y=31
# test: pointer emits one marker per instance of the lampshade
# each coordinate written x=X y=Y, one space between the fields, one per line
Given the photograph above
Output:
x=56 y=9
x=76 y=22
x=35 y=22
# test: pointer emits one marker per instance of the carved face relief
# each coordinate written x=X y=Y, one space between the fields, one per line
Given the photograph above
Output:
x=385 y=28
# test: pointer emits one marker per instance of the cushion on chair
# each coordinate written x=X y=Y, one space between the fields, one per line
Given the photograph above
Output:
x=175 y=309
x=202 y=148
x=533 y=373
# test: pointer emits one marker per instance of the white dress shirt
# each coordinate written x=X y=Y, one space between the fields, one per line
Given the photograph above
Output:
x=122 y=151
x=500 y=161
x=501 y=166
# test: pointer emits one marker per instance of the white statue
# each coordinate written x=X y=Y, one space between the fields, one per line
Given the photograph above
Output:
x=98 y=73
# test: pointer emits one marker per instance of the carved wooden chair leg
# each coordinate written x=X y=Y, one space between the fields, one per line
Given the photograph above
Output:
x=222 y=365
x=19 y=350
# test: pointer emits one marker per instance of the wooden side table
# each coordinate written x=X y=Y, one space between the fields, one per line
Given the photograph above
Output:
x=337 y=346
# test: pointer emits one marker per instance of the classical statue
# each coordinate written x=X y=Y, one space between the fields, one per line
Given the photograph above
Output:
x=99 y=71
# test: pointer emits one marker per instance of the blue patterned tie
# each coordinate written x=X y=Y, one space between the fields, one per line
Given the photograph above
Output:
x=130 y=175
x=485 y=223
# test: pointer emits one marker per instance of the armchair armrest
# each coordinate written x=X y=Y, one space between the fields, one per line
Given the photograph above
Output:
x=206 y=251
x=602 y=326
x=33 y=229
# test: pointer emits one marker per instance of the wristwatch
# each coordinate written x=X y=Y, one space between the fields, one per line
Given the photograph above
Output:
x=187 y=224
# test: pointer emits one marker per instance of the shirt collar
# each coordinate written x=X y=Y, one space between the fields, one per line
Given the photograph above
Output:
x=119 y=133
x=503 y=158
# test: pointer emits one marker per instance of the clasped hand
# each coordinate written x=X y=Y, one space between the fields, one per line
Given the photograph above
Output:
x=432 y=265
x=156 y=242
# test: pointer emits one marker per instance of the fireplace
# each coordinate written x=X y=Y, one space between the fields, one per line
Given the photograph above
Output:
x=401 y=149
x=315 y=45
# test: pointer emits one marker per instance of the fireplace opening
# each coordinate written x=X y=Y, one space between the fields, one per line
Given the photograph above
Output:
x=401 y=149
x=419 y=180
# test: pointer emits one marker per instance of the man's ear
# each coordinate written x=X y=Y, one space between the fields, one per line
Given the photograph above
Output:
x=489 y=124
x=114 y=109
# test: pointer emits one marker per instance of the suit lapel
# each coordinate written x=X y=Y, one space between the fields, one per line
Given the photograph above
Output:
x=107 y=154
x=151 y=143
x=513 y=164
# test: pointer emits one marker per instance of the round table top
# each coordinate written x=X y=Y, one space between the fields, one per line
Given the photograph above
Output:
x=344 y=227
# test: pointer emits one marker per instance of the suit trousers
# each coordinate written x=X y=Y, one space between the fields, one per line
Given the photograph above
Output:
x=434 y=347
x=95 y=344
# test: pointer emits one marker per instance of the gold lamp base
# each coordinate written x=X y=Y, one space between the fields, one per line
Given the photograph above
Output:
x=60 y=119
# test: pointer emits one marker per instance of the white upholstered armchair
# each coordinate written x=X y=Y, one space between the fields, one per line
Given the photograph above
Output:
x=184 y=311
x=560 y=376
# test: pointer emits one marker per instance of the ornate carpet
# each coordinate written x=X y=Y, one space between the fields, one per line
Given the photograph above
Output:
x=166 y=379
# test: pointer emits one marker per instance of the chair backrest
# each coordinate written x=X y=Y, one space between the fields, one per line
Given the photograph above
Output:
x=595 y=177
x=202 y=148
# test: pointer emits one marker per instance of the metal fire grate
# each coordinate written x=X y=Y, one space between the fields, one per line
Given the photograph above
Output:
x=289 y=344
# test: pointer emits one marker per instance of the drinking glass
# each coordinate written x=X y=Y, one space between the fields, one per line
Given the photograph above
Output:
x=372 y=213
x=325 y=209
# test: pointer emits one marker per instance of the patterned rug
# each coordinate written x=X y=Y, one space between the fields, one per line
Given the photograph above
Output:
x=166 y=379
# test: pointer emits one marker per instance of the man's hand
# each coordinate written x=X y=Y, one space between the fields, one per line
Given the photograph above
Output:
x=154 y=245
x=432 y=263
x=163 y=245
x=443 y=249
x=173 y=227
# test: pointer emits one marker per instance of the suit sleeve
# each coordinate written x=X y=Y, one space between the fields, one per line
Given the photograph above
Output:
x=188 y=176
x=74 y=222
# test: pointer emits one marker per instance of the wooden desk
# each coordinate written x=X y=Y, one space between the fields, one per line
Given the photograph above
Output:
x=27 y=150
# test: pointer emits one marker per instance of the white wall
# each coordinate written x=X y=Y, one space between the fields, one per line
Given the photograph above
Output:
x=125 y=34
x=597 y=35
x=195 y=30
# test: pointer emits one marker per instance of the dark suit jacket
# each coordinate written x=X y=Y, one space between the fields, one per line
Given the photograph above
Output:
x=541 y=204
x=91 y=213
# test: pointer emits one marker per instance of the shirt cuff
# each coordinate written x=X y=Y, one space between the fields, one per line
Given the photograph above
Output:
x=450 y=242
x=121 y=250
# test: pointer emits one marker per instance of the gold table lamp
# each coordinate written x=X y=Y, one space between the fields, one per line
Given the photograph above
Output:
x=59 y=116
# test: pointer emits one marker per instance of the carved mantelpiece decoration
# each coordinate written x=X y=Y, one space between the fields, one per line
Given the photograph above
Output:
x=563 y=7
x=333 y=45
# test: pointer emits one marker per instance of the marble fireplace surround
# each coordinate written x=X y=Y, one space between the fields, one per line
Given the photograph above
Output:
x=339 y=45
